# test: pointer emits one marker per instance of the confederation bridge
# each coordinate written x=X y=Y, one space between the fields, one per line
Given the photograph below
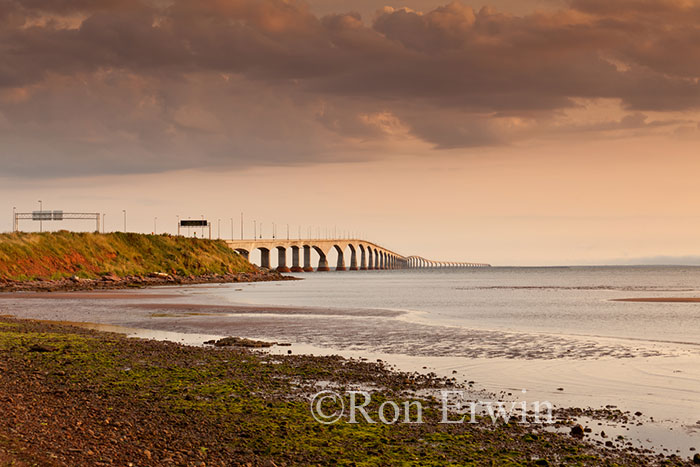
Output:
x=362 y=255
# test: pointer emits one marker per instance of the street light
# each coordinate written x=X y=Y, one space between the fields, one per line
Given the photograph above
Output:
x=14 y=218
x=103 y=222
x=41 y=215
x=124 y=211
x=218 y=232
x=155 y=225
x=232 y=229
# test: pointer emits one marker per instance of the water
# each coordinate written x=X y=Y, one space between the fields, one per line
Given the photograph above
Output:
x=572 y=301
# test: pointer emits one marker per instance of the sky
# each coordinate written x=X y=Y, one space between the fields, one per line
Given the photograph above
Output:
x=529 y=132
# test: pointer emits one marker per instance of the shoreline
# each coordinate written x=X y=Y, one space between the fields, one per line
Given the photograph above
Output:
x=112 y=282
x=134 y=415
x=189 y=320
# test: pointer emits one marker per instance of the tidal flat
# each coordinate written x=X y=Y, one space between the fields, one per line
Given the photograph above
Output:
x=75 y=396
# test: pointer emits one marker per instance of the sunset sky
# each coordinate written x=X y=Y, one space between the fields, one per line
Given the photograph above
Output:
x=528 y=132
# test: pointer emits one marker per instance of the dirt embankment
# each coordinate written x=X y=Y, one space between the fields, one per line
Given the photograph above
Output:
x=83 y=261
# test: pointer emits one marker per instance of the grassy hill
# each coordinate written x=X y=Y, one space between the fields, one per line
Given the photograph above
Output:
x=55 y=255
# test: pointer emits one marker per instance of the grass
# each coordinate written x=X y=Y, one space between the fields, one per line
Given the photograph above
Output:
x=56 y=255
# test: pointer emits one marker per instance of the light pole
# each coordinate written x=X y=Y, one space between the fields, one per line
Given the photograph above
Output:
x=41 y=216
x=255 y=230
x=155 y=226
x=103 y=222
x=241 y=225
x=14 y=218
x=178 y=225
x=232 y=228
x=218 y=231
x=124 y=211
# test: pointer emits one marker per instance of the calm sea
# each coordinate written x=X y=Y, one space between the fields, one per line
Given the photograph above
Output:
x=574 y=301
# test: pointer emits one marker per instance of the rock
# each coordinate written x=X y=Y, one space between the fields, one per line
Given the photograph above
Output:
x=42 y=348
x=240 y=342
x=159 y=275
x=609 y=444
x=110 y=278
x=75 y=279
x=696 y=459
x=577 y=431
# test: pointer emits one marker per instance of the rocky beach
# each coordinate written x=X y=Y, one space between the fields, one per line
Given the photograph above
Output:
x=73 y=396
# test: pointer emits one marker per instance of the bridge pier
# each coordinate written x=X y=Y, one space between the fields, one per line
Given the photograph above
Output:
x=353 y=259
x=282 y=259
x=340 y=265
x=322 y=261
x=363 y=259
x=307 y=259
x=295 y=260
x=370 y=260
x=265 y=258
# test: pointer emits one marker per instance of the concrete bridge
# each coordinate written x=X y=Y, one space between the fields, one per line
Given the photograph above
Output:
x=352 y=254
x=415 y=262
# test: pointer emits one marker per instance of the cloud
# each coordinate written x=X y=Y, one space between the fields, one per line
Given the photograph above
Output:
x=139 y=86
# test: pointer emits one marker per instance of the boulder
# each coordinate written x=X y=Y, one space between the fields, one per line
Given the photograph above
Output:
x=577 y=431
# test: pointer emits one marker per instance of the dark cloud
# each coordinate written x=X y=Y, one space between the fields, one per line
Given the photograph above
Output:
x=138 y=85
